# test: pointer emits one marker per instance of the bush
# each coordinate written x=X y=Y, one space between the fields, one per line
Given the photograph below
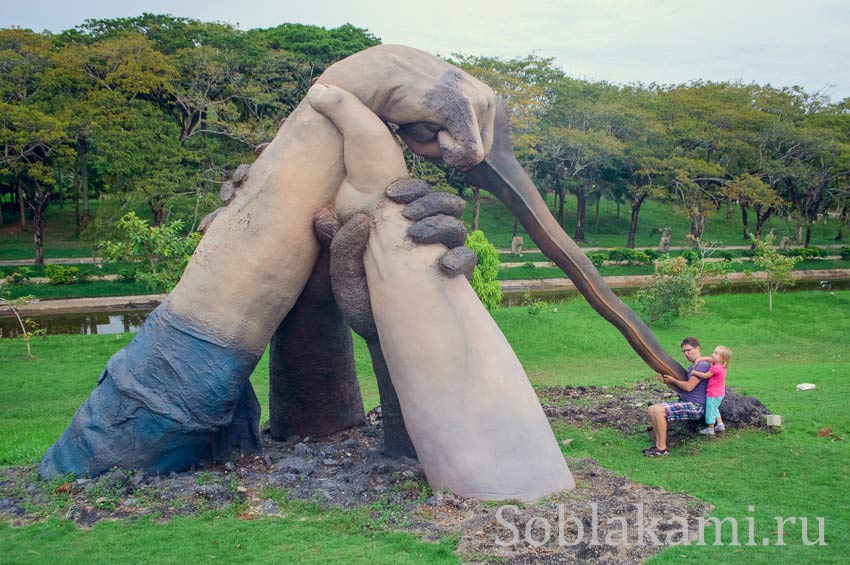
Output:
x=484 y=281
x=629 y=256
x=160 y=252
x=598 y=258
x=845 y=253
x=58 y=274
x=726 y=255
x=529 y=265
x=127 y=274
x=690 y=256
x=810 y=253
x=21 y=274
x=672 y=292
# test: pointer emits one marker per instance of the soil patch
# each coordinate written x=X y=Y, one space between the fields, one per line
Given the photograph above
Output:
x=348 y=470
x=624 y=408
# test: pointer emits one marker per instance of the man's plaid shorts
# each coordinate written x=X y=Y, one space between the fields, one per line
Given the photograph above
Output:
x=683 y=411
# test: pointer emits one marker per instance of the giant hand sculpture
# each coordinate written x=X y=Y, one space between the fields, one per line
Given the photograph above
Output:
x=179 y=392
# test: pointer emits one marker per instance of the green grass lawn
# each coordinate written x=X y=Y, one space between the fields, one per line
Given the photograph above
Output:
x=87 y=289
x=793 y=473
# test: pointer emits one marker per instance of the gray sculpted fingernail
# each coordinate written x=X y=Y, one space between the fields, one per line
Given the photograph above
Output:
x=458 y=261
x=449 y=231
x=433 y=204
x=405 y=191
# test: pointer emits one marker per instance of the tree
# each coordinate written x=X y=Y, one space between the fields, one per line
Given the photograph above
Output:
x=751 y=192
x=28 y=140
x=160 y=253
x=777 y=267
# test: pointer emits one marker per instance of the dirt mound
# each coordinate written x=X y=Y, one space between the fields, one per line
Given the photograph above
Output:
x=624 y=408
x=348 y=470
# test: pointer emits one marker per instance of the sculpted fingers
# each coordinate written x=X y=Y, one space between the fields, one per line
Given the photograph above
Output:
x=447 y=230
x=372 y=156
x=348 y=275
x=433 y=204
x=458 y=261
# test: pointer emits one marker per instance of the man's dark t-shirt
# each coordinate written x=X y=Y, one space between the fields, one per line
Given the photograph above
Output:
x=696 y=395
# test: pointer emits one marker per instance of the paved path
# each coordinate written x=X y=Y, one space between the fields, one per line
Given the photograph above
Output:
x=59 y=261
x=103 y=303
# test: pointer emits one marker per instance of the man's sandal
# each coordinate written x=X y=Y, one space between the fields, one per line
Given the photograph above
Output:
x=655 y=452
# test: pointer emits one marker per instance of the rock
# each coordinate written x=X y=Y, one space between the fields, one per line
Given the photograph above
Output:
x=229 y=465
x=349 y=443
x=292 y=465
x=268 y=507
x=330 y=462
x=138 y=478
x=130 y=502
x=294 y=438
x=241 y=490
x=347 y=462
x=207 y=220
x=739 y=411
x=214 y=493
x=806 y=386
x=258 y=150
x=300 y=450
x=117 y=478
x=82 y=483
x=267 y=460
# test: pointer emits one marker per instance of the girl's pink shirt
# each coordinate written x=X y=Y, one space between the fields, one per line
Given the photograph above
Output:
x=717 y=382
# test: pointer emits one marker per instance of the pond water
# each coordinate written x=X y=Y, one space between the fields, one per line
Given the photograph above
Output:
x=109 y=322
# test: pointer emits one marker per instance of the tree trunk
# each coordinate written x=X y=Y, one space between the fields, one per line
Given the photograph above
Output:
x=21 y=205
x=37 y=206
x=476 y=207
x=83 y=164
x=697 y=225
x=157 y=213
x=76 y=196
x=618 y=209
x=596 y=218
x=581 y=211
x=842 y=220
x=762 y=218
x=745 y=219
x=515 y=228
x=637 y=202
x=770 y=300
x=808 y=234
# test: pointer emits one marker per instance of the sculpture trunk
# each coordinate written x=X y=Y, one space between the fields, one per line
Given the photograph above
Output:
x=501 y=174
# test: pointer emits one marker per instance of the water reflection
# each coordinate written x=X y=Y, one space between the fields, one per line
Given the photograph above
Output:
x=111 y=322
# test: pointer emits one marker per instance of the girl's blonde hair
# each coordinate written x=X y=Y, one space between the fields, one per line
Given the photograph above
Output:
x=724 y=354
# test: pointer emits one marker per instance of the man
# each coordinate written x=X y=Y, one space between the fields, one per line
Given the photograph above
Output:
x=691 y=404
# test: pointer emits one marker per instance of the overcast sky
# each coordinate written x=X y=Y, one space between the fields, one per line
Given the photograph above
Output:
x=781 y=42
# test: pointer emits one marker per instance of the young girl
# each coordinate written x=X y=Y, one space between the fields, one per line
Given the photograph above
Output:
x=716 y=389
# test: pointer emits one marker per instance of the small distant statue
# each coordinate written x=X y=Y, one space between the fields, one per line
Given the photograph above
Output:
x=516 y=245
x=784 y=243
x=664 y=244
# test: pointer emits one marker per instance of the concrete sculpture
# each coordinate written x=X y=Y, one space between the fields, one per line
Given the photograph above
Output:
x=179 y=393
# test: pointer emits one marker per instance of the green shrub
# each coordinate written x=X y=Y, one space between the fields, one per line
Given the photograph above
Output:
x=726 y=255
x=845 y=253
x=672 y=292
x=484 y=281
x=21 y=274
x=127 y=274
x=58 y=274
x=598 y=258
x=629 y=256
x=529 y=265
x=810 y=253
x=691 y=256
